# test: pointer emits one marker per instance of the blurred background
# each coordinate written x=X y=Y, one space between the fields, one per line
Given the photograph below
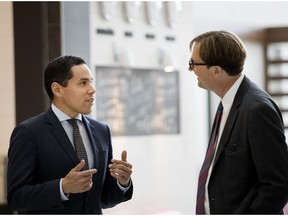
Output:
x=138 y=53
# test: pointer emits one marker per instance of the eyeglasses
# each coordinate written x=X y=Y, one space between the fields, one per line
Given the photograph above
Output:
x=192 y=64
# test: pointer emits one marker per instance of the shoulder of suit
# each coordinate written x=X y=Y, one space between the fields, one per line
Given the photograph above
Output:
x=33 y=122
x=94 y=121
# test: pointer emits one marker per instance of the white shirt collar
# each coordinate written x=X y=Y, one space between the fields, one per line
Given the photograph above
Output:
x=63 y=116
x=230 y=94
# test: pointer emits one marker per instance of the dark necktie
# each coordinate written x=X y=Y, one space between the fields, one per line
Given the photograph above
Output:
x=208 y=160
x=78 y=143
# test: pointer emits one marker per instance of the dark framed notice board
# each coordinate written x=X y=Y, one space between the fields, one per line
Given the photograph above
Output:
x=137 y=101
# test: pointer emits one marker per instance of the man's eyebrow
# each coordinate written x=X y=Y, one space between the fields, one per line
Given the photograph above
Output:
x=85 y=79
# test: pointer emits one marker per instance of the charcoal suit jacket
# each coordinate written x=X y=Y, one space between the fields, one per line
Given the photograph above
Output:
x=250 y=173
x=40 y=154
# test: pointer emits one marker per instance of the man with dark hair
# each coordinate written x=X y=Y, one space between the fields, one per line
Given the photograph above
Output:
x=245 y=170
x=60 y=162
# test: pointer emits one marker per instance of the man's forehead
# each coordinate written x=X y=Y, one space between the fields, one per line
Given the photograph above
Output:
x=195 y=46
x=195 y=49
x=81 y=72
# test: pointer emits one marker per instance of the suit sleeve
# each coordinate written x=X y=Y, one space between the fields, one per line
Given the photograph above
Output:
x=23 y=193
x=112 y=194
x=270 y=156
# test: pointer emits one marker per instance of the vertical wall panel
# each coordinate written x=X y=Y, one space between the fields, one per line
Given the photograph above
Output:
x=37 y=40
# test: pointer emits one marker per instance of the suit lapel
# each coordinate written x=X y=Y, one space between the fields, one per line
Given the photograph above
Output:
x=228 y=128
x=227 y=131
x=94 y=140
x=58 y=131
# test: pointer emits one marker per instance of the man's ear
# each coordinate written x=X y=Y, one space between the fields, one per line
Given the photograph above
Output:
x=217 y=71
x=56 y=89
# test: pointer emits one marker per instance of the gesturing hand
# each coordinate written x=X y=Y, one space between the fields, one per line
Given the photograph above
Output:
x=77 y=181
x=121 y=169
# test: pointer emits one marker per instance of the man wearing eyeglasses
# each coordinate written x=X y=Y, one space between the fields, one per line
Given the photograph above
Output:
x=245 y=170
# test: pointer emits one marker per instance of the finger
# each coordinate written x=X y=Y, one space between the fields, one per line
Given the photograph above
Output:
x=87 y=186
x=79 y=166
x=121 y=170
x=91 y=184
x=117 y=175
x=122 y=167
x=87 y=180
x=117 y=164
x=124 y=156
x=89 y=172
x=84 y=182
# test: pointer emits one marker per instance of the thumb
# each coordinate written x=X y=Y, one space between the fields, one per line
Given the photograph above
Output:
x=79 y=166
x=124 y=156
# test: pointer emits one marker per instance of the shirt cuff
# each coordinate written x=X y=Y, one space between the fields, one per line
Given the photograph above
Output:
x=124 y=189
x=62 y=194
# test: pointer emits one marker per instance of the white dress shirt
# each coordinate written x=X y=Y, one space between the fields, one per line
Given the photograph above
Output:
x=227 y=102
x=63 y=117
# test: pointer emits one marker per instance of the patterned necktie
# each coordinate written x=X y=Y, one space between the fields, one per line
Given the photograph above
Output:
x=207 y=162
x=78 y=143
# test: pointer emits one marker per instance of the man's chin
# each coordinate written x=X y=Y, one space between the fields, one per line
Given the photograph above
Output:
x=86 y=112
x=200 y=85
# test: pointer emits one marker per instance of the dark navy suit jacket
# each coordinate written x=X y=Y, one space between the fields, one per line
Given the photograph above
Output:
x=40 y=154
x=250 y=173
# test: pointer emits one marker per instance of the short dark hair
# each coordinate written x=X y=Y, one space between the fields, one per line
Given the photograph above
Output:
x=58 y=70
x=222 y=48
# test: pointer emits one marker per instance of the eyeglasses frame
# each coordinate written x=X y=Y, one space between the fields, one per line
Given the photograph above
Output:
x=192 y=64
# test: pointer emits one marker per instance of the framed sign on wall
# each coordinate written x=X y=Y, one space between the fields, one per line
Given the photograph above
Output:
x=137 y=101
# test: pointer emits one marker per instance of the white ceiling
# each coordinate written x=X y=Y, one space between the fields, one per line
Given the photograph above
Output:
x=241 y=17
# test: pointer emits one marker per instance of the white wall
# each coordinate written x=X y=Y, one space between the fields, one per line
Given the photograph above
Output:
x=166 y=167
